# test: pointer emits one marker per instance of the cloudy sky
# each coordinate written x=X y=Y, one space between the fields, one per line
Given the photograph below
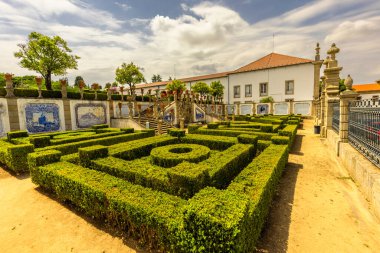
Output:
x=192 y=37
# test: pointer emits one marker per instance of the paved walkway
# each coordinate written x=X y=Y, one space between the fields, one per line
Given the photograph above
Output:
x=318 y=208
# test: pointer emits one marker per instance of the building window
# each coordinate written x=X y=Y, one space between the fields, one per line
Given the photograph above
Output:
x=236 y=91
x=263 y=89
x=248 y=90
x=289 y=87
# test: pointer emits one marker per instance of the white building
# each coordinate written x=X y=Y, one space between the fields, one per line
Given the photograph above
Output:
x=368 y=91
x=282 y=77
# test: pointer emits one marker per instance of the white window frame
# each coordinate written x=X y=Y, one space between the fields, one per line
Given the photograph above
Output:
x=287 y=91
x=250 y=90
x=263 y=94
x=237 y=94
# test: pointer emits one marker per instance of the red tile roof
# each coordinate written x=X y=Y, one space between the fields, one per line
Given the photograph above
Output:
x=187 y=79
x=366 y=87
x=272 y=60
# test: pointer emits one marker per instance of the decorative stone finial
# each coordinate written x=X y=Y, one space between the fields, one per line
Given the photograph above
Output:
x=317 y=49
x=348 y=82
x=333 y=51
x=326 y=61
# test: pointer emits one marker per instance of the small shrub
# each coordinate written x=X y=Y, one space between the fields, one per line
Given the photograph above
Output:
x=212 y=125
x=17 y=134
x=40 y=141
x=176 y=132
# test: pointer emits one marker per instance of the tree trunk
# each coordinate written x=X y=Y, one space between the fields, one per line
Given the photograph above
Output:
x=48 y=80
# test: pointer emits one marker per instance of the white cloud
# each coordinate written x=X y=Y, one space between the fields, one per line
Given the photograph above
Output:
x=124 y=6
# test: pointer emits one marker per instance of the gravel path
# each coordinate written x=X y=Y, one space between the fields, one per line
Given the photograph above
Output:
x=318 y=208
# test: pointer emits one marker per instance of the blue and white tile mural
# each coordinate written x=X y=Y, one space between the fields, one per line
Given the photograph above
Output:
x=280 y=108
x=199 y=115
x=169 y=116
x=88 y=115
x=230 y=109
x=302 y=108
x=42 y=117
x=262 y=109
x=245 y=109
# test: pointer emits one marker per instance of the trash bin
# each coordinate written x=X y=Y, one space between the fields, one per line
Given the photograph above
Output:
x=317 y=129
x=147 y=125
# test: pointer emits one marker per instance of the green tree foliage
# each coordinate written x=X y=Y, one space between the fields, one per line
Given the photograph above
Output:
x=267 y=100
x=342 y=86
x=114 y=84
x=217 y=89
x=108 y=85
x=170 y=78
x=156 y=78
x=129 y=74
x=176 y=85
x=77 y=79
x=46 y=56
x=201 y=88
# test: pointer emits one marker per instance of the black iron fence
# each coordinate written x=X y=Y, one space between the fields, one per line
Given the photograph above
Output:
x=364 y=128
x=336 y=116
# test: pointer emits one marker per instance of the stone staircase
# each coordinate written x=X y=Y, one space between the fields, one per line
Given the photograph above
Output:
x=152 y=124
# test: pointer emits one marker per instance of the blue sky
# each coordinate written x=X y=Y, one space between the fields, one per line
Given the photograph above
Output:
x=190 y=37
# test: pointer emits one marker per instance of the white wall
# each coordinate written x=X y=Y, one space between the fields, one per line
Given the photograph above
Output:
x=302 y=74
x=368 y=95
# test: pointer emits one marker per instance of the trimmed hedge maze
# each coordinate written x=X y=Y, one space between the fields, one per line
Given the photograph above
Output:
x=14 y=148
x=177 y=192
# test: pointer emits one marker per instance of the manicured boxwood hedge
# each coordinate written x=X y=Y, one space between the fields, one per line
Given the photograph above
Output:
x=221 y=204
x=171 y=155
x=17 y=134
x=212 y=125
x=40 y=141
x=234 y=133
x=175 y=132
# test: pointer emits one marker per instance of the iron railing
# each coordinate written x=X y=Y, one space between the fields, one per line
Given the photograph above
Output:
x=336 y=116
x=364 y=128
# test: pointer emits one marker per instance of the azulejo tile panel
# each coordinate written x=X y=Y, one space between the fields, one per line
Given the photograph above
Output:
x=88 y=115
x=262 y=109
x=42 y=117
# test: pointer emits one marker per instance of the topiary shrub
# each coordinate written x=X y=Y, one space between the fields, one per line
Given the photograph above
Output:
x=192 y=128
x=171 y=155
x=247 y=139
x=100 y=126
x=40 y=141
x=127 y=130
x=89 y=153
x=176 y=132
x=17 y=134
x=212 y=125
x=43 y=158
x=280 y=140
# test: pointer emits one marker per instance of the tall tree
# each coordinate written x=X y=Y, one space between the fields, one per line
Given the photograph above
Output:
x=129 y=74
x=77 y=79
x=176 y=85
x=201 y=88
x=217 y=89
x=156 y=78
x=46 y=56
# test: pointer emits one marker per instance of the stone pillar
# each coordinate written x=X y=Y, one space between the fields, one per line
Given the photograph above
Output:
x=317 y=70
x=332 y=83
x=182 y=123
x=345 y=98
x=291 y=106
x=14 y=122
x=237 y=108
x=159 y=126
x=271 y=109
x=323 y=107
x=253 y=108
x=67 y=114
